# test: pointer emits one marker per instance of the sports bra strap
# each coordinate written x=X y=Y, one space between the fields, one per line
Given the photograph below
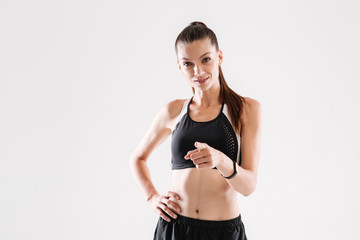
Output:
x=183 y=111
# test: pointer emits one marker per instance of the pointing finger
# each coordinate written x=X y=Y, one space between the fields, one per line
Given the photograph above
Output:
x=200 y=145
x=187 y=156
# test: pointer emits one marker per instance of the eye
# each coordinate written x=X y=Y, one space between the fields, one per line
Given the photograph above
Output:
x=207 y=59
x=185 y=64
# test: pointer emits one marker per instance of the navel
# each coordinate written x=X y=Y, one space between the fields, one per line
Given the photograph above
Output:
x=197 y=211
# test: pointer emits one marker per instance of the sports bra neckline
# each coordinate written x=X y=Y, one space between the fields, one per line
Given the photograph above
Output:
x=222 y=107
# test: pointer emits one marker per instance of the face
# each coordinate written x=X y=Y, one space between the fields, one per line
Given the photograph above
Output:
x=198 y=61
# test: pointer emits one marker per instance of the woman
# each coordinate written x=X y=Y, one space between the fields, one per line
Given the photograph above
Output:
x=215 y=147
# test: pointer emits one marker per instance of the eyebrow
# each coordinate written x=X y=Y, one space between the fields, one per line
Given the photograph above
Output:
x=199 y=57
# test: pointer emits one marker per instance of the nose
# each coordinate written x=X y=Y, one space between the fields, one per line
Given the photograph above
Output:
x=197 y=70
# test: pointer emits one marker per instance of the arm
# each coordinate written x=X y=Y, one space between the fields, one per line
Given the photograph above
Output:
x=207 y=157
x=157 y=134
x=245 y=181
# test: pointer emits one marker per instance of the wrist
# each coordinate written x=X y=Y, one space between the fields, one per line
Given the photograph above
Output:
x=234 y=172
x=151 y=197
x=225 y=167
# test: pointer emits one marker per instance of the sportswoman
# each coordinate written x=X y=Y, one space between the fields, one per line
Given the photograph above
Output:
x=215 y=148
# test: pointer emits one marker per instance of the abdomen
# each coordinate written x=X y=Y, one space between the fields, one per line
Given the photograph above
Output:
x=205 y=194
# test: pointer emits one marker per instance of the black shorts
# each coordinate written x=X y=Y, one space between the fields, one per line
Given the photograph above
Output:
x=190 y=228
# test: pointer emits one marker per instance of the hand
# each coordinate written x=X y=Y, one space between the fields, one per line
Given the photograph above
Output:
x=204 y=156
x=162 y=203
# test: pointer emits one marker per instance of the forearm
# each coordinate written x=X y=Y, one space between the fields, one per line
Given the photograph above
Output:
x=142 y=176
x=245 y=180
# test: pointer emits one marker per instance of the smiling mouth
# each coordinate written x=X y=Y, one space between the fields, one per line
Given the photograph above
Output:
x=201 y=81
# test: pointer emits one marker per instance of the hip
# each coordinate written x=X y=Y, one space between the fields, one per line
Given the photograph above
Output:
x=191 y=228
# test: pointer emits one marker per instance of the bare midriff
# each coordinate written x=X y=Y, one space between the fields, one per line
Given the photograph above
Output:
x=204 y=194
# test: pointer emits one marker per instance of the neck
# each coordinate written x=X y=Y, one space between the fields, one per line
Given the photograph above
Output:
x=207 y=98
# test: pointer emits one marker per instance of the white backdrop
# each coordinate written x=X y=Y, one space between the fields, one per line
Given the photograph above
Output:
x=81 y=81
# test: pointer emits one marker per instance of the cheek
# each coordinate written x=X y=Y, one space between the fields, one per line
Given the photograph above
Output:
x=216 y=64
x=212 y=67
x=188 y=72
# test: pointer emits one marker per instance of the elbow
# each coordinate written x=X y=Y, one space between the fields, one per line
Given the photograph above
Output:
x=133 y=161
x=250 y=189
x=248 y=193
x=131 y=164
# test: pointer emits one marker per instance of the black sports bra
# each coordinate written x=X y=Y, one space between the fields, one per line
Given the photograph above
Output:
x=217 y=133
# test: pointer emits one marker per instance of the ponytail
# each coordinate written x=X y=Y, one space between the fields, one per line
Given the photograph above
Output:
x=196 y=31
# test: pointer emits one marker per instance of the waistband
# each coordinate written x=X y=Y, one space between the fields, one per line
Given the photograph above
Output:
x=207 y=223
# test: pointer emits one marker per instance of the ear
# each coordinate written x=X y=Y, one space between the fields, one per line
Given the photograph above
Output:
x=220 y=55
x=178 y=63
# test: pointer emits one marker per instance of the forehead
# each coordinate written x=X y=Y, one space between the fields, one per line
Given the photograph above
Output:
x=195 y=49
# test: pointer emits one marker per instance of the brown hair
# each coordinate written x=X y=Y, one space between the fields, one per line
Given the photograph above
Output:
x=198 y=31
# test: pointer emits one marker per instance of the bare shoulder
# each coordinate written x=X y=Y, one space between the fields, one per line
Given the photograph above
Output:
x=251 y=103
x=251 y=110
x=174 y=107
x=171 y=111
x=160 y=128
